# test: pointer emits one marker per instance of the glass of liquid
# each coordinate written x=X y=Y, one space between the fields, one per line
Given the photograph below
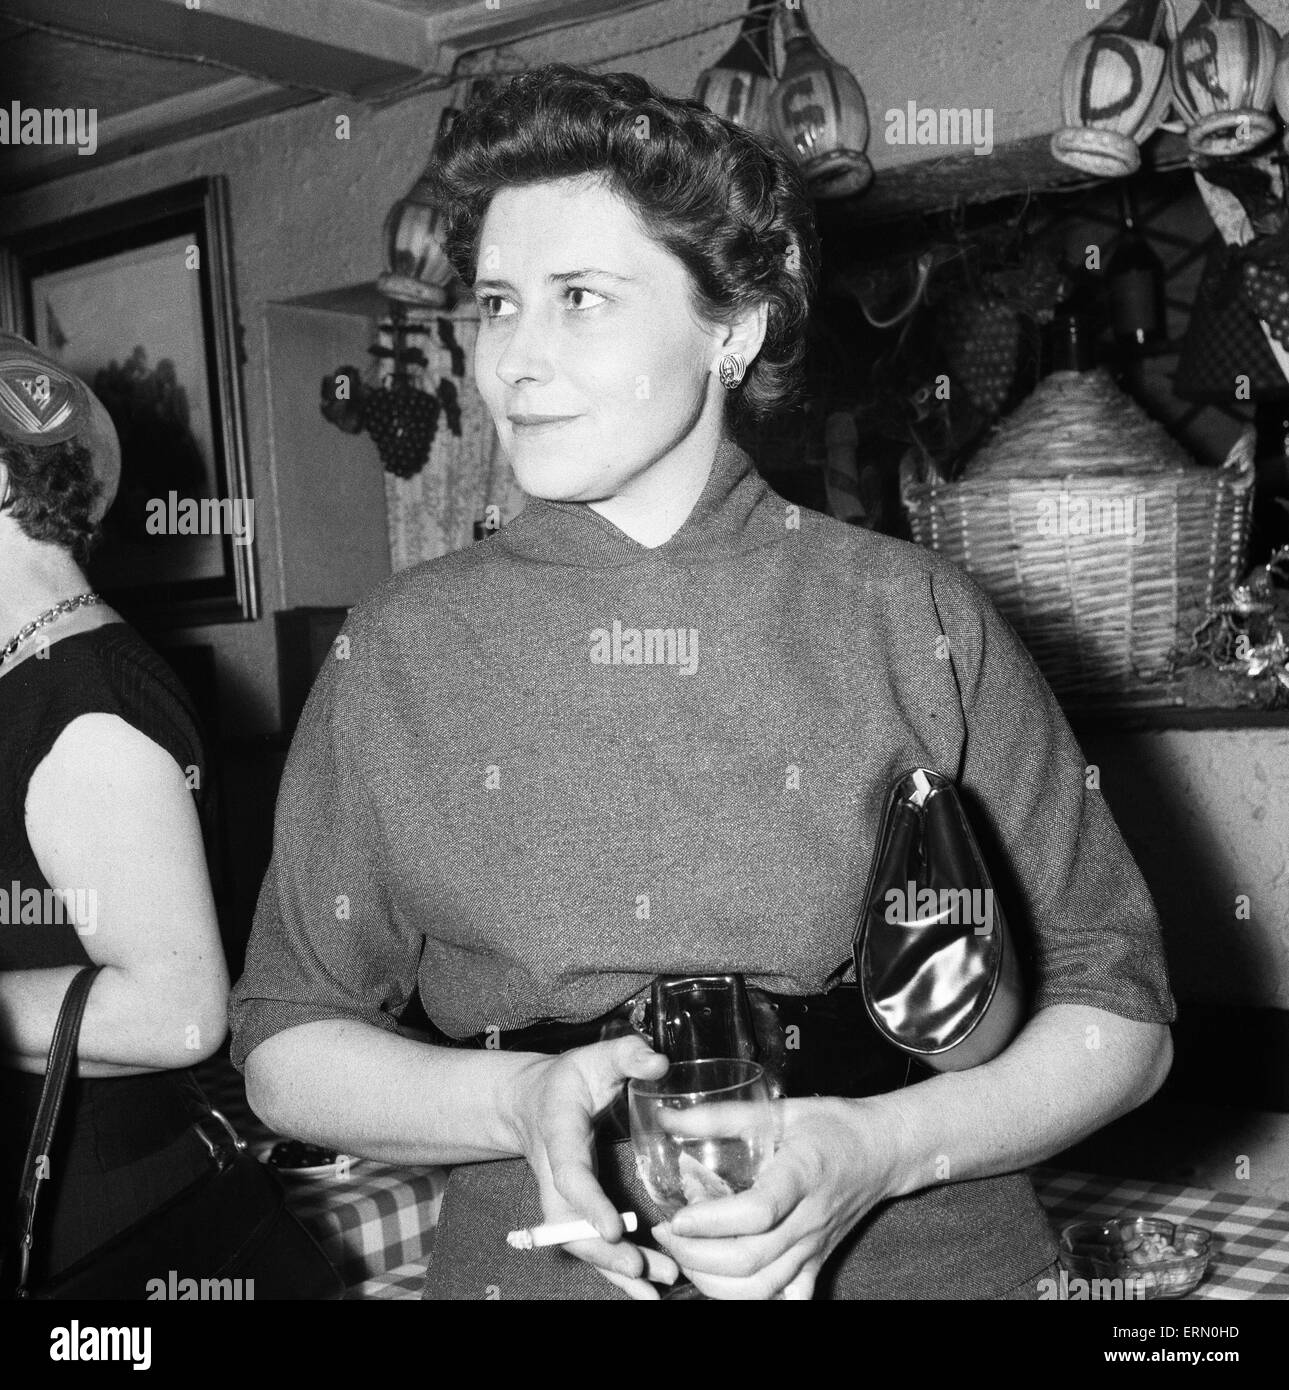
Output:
x=704 y=1130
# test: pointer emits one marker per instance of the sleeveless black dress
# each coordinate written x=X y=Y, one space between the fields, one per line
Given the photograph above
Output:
x=125 y=1144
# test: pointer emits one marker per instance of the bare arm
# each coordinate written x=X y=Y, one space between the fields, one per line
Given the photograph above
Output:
x=348 y=1085
x=386 y=1097
x=352 y=1087
x=1071 y=1071
x=110 y=817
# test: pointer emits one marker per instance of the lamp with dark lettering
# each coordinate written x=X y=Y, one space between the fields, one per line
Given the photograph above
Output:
x=1115 y=89
x=1223 y=69
x=819 y=112
x=738 y=84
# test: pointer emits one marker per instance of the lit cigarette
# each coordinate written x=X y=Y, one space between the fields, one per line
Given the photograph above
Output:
x=562 y=1232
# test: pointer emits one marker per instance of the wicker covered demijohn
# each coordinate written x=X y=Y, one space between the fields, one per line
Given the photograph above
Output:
x=1093 y=533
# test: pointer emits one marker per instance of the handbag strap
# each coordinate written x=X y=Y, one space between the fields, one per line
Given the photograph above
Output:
x=62 y=1056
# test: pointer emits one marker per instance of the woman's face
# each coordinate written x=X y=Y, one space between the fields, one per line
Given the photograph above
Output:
x=585 y=318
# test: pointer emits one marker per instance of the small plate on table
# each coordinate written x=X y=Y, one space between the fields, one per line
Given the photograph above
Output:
x=293 y=1158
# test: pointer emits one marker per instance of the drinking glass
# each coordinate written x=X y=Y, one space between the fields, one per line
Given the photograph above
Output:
x=704 y=1130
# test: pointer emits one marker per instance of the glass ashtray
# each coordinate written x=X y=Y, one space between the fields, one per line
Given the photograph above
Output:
x=1152 y=1258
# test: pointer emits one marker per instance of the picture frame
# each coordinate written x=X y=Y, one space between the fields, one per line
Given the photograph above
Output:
x=137 y=299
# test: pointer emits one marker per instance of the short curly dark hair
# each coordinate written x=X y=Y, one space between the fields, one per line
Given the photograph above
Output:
x=729 y=204
x=52 y=493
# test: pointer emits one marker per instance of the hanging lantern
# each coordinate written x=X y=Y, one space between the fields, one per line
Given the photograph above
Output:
x=1223 y=68
x=417 y=270
x=819 y=112
x=1280 y=85
x=1115 y=89
x=738 y=84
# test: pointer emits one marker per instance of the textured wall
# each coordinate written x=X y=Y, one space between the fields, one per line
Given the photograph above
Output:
x=1207 y=816
x=333 y=543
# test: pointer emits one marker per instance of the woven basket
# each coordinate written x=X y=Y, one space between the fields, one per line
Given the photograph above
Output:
x=1093 y=532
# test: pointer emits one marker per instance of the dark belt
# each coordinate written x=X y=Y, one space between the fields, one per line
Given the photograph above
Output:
x=810 y=1044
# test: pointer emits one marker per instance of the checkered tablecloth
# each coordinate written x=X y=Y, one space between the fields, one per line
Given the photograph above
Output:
x=372 y=1219
x=1250 y=1234
x=1250 y=1254
x=405 y=1282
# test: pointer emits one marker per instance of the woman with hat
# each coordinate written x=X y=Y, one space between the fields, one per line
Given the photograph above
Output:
x=102 y=776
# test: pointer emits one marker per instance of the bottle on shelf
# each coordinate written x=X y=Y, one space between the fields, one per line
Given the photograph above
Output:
x=1135 y=282
x=1071 y=336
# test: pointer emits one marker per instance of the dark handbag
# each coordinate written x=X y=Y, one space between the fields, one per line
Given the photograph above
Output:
x=230 y=1224
x=935 y=962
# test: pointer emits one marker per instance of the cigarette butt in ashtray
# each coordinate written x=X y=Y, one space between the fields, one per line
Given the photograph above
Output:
x=563 y=1232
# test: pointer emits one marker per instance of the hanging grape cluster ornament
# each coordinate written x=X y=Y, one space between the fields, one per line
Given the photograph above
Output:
x=391 y=403
x=401 y=419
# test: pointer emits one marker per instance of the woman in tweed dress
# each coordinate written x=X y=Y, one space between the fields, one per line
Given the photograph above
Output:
x=510 y=803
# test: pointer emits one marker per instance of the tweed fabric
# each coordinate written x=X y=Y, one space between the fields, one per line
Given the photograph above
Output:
x=477 y=809
x=955 y=1240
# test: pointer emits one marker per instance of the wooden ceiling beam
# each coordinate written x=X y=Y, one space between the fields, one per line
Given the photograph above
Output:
x=362 y=48
x=278 y=53
x=181 y=117
x=1015 y=168
x=358 y=48
x=465 y=25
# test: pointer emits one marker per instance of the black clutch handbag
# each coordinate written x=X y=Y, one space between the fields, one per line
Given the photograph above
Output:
x=934 y=959
x=231 y=1223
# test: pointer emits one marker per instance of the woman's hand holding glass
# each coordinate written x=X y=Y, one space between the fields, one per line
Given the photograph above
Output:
x=686 y=1155
x=553 y=1111
x=835 y=1160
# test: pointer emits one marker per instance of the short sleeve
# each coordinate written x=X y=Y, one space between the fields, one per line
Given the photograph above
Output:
x=327 y=941
x=1091 y=927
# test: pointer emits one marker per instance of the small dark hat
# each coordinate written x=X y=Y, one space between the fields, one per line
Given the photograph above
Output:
x=42 y=403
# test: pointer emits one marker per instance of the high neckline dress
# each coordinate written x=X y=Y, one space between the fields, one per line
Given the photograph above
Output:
x=546 y=768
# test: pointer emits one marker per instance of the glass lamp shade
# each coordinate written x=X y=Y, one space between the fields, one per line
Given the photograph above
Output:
x=1223 y=70
x=738 y=85
x=417 y=268
x=1115 y=89
x=818 y=111
x=740 y=97
x=1280 y=86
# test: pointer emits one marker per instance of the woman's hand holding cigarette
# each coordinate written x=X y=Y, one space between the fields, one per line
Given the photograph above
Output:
x=553 y=1110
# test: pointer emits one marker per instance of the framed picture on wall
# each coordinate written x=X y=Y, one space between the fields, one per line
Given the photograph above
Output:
x=137 y=299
